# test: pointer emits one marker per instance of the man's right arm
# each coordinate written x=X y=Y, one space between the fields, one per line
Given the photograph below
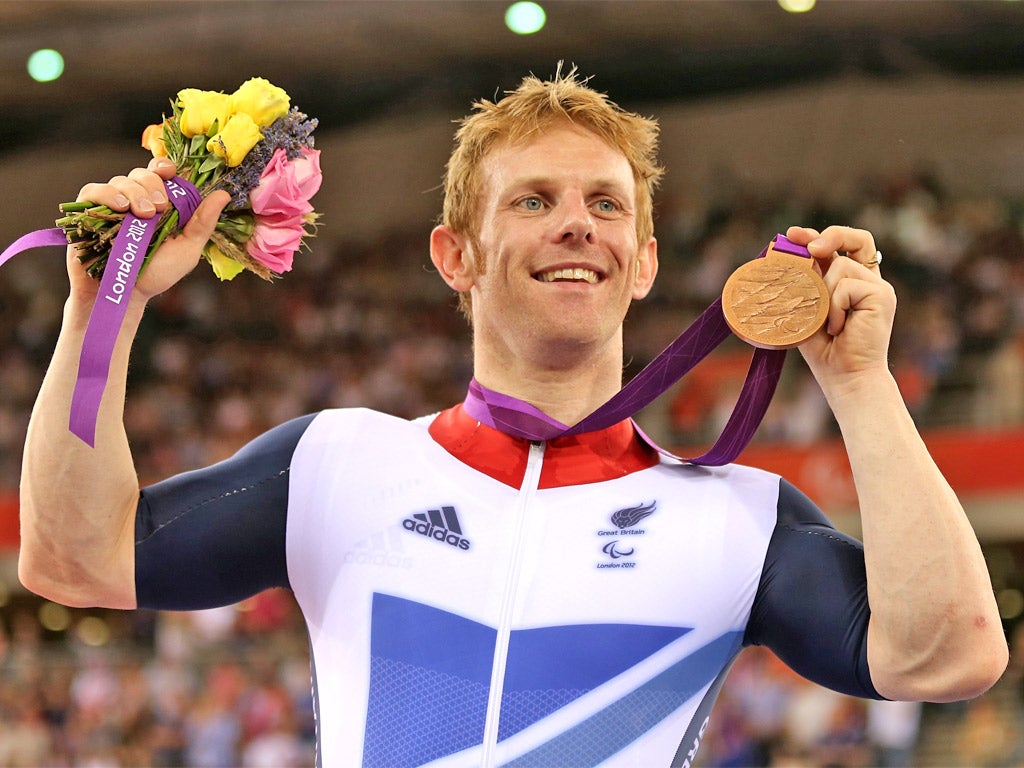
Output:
x=78 y=502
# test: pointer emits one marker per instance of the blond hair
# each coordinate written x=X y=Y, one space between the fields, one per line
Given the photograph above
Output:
x=532 y=107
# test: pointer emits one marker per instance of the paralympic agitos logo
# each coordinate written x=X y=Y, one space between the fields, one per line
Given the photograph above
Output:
x=624 y=521
x=615 y=550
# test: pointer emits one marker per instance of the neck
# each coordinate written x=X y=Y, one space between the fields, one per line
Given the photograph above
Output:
x=567 y=385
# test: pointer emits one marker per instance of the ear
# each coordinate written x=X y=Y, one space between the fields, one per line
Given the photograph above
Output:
x=646 y=269
x=451 y=257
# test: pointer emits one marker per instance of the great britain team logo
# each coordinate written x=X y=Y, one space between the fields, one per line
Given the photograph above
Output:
x=631 y=516
x=438 y=524
x=618 y=549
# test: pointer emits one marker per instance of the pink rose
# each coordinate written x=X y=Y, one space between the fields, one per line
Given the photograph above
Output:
x=274 y=241
x=287 y=185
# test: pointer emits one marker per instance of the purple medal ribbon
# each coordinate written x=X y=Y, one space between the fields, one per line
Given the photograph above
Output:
x=122 y=269
x=520 y=419
x=504 y=412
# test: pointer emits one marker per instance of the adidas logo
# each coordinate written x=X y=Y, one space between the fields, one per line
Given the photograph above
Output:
x=439 y=524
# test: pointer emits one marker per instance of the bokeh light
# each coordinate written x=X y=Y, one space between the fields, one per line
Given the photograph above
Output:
x=54 y=617
x=93 y=631
x=797 y=6
x=1011 y=603
x=45 y=65
x=525 y=18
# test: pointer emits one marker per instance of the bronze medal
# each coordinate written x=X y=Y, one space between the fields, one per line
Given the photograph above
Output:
x=775 y=302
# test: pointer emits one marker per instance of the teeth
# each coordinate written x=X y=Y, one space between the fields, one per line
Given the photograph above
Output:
x=577 y=273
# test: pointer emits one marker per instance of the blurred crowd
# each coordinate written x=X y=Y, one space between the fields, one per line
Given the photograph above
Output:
x=225 y=687
x=371 y=325
x=230 y=688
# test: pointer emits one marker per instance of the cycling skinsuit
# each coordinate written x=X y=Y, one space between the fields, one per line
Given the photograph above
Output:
x=475 y=599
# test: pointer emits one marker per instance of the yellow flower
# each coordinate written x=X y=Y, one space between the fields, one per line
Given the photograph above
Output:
x=263 y=101
x=201 y=109
x=153 y=140
x=237 y=136
x=224 y=267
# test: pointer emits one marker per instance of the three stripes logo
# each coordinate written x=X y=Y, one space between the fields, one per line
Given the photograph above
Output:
x=438 y=524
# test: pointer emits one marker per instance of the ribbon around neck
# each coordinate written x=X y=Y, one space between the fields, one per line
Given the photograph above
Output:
x=119 y=275
x=519 y=418
x=504 y=412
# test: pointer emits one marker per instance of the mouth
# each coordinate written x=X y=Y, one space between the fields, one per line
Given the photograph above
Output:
x=569 y=275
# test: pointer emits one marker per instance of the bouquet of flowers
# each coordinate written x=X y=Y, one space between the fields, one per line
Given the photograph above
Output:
x=251 y=143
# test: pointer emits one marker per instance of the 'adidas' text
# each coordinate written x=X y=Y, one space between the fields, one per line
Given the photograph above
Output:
x=438 y=524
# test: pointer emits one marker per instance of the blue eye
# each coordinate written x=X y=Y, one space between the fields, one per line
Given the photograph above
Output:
x=606 y=206
x=532 y=203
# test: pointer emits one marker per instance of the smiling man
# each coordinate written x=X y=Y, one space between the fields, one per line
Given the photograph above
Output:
x=551 y=265
x=561 y=602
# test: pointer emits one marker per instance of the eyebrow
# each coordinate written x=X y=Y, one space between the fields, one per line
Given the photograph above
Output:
x=544 y=181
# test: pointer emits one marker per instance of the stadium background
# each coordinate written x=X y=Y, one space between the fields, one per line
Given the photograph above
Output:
x=904 y=117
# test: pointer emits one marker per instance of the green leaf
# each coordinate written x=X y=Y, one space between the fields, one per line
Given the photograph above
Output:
x=210 y=163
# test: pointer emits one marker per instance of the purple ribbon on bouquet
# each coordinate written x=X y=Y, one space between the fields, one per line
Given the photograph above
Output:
x=119 y=275
x=519 y=418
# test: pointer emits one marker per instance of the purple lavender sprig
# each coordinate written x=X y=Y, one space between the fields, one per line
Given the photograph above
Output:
x=292 y=132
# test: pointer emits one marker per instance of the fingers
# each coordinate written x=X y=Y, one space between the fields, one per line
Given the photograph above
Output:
x=141 y=191
x=180 y=253
x=853 y=294
x=849 y=261
x=834 y=242
x=204 y=220
x=162 y=167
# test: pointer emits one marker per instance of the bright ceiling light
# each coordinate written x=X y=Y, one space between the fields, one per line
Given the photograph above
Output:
x=796 y=6
x=45 y=65
x=525 y=18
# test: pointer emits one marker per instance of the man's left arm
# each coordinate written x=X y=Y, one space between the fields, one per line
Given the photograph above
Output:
x=935 y=632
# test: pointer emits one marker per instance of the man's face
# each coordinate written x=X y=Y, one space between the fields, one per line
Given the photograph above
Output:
x=557 y=242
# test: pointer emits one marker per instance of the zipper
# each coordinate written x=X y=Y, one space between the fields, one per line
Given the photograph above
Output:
x=531 y=480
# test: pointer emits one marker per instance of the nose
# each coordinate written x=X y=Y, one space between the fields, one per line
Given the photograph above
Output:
x=576 y=224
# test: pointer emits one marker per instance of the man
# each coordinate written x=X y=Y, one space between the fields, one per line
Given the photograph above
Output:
x=477 y=598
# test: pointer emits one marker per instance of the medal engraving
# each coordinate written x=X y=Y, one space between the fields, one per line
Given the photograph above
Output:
x=776 y=302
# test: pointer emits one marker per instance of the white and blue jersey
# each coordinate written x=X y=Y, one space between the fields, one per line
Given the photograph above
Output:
x=474 y=599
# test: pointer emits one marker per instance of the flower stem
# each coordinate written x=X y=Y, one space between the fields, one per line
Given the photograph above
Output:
x=165 y=229
x=78 y=207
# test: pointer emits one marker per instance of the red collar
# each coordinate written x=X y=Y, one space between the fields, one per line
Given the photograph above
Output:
x=587 y=458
